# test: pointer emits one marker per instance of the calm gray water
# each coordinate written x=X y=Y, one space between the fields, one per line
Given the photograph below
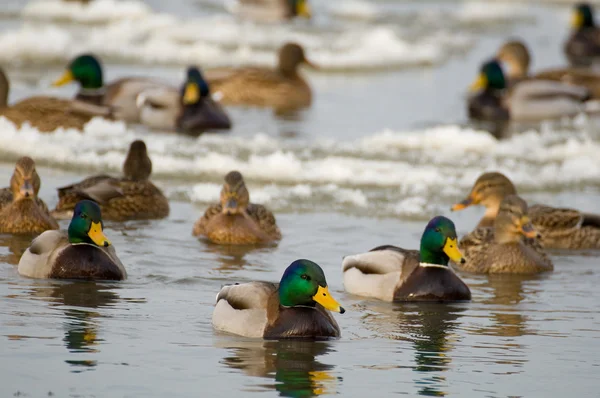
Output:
x=380 y=152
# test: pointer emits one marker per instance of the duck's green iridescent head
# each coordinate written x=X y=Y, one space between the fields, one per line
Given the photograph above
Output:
x=300 y=8
x=439 y=242
x=195 y=87
x=491 y=76
x=86 y=70
x=303 y=284
x=86 y=225
x=583 y=16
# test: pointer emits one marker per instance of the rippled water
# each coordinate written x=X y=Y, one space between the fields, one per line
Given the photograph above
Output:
x=384 y=147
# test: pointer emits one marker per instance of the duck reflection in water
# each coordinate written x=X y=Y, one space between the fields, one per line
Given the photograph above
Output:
x=291 y=363
x=15 y=247
x=233 y=257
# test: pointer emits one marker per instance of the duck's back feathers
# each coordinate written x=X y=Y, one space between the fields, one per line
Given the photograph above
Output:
x=45 y=113
x=578 y=77
x=265 y=220
x=566 y=228
x=122 y=94
x=37 y=260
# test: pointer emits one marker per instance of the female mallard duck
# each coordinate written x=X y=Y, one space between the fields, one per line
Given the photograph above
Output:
x=271 y=10
x=131 y=197
x=526 y=101
x=517 y=57
x=120 y=96
x=390 y=273
x=297 y=307
x=282 y=88
x=190 y=110
x=45 y=113
x=83 y=252
x=559 y=228
x=501 y=248
x=21 y=211
x=236 y=221
x=583 y=44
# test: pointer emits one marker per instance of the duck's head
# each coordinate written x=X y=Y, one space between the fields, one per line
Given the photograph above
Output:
x=235 y=197
x=194 y=88
x=25 y=182
x=517 y=57
x=137 y=166
x=491 y=77
x=583 y=16
x=489 y=190
x=303 y=284
x=291 y=55
x=86 y=225
x=86 y=70
x=439 y=243
x=512 y=222
x=300 y=8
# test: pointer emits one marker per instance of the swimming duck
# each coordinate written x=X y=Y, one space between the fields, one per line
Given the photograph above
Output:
x=390 y=273
x=120 y=96
x=517 y=57
x=131 y=197
x=282 y=89
x=525 y=101
x=236 y=221
x=501 y=248
x=271 y=10
x=45 y=113
x=190 y=110
x=559 y=228
x=84 y=252
x=297 y=307
x=583 y=44
x=21 y=211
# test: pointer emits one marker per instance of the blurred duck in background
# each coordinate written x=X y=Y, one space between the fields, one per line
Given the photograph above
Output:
x=190 y=110
x=583 y=46
x=270 y=10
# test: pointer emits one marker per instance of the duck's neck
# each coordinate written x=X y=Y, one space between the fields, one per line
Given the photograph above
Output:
x=429 y=257
x=490 y=215
x=93 y=96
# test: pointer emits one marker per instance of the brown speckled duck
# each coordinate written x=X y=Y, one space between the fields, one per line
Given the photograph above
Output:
x=235 y=220
x=559 y=228
x=131 y=197
x=21 y=211
x=502 y=248
x=282 y=88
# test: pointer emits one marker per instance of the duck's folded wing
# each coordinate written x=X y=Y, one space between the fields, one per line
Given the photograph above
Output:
x=36 y=261
x=478 y=237
x=245 y=296
x=88 y=182
x=159 y=98
x=381 y=260
x=265 y=219
x=546 y=217
x=545 y=89
x=101 y=192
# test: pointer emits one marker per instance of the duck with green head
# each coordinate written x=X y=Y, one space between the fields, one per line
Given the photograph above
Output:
x=391 y=273
x=119 y=96
x=582 y=47
x=297 y=307
x=189 y=110
x=83 y=252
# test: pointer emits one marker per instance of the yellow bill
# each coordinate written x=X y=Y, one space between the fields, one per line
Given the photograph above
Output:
x=191 y=95
x=67 y=77
x=303 y=9
x=527 y=228
x=97 y=236
x=451 y=250
x=480 y=83
x=576 y=19
x=324 y=298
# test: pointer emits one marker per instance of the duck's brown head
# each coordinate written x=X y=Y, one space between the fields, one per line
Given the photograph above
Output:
x=25 y=182
x=291 y=55
x=516 y=56
x=137 y=166
x=489 y=190
x=512 y=222
x=235 y=197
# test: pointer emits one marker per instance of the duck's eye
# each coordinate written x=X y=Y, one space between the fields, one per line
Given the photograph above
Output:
x=438 y=230
x=83 y=216
x=305 y=277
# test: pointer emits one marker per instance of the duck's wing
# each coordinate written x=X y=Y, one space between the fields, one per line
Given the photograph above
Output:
x=200 y=225
x=86 y=183
x=265 y=219
x=37 y=260
x=102 y=192
x=245 y=296
x=159 y=98
x=550 y=218
x=6 y=197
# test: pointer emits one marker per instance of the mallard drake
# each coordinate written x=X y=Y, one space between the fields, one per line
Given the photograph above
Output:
x=559 y=228
x=583 y=45
x=236 y=221
x=46 y=113
x=131 y=197
x=501 y=248
x=297 y=307
x=21 y=211
x=517 y=57
x=271 y=10
x=391 y=273
x=525 y=101
x=282 y=88
x=120 y=96
x=190 y=110
x=84 y=252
